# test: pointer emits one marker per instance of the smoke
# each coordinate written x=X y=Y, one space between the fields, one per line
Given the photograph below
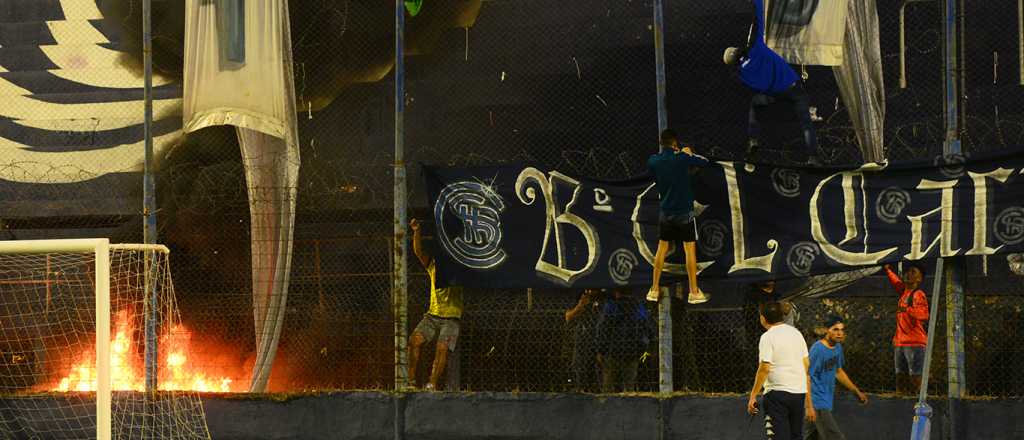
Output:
x=335 y=43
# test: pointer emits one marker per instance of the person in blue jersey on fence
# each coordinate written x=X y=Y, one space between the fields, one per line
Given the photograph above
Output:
x=772 y=80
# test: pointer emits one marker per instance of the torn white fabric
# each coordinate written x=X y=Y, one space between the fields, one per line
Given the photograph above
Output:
x=806 y=32
x=271 y=175
x=238 y=71
x=860 y=79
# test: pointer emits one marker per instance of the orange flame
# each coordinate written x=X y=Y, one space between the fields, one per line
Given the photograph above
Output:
x=174 y=371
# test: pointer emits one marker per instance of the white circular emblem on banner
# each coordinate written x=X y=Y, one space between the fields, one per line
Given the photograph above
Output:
x=801 y=258
x=713 y=235
x=891 y=203
x=951 y=165
x=1009 y=227
x=620 y=265
x=786 y=182
x=477 y=208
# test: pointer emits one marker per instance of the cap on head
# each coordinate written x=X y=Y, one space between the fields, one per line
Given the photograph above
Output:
x=731 y=55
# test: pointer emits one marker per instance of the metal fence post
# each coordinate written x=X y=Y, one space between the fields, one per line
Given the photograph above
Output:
x=149 y=200
x=665 y=382
x=954 y=290
x=953 y=272
x=400 y=275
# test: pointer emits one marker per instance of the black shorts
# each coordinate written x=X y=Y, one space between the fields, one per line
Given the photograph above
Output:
x=674 y=228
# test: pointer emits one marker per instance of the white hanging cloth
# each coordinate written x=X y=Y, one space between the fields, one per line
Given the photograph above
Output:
x=238 y=71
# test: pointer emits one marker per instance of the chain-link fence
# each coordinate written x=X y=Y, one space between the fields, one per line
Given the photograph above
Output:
x=724 y=341
x=569 y=85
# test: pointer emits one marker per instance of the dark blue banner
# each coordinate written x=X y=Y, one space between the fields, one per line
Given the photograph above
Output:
x=524 y=226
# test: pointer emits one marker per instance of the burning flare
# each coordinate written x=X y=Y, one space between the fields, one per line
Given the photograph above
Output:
x=126 y=369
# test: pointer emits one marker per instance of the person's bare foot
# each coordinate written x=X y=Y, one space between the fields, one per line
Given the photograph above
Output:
x=698 y=298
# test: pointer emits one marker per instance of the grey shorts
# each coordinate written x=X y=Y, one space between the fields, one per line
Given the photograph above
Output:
x=909 y=360
x=823 y=428
x=444 y=330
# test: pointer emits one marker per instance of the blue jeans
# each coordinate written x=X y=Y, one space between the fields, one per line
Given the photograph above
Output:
x=798 y=99
x=909 y=360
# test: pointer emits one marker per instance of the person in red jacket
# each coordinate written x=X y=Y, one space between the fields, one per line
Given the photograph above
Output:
x=911 y=338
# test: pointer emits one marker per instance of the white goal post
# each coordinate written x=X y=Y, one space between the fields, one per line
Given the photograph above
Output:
x=123 y=411
x=100 y=247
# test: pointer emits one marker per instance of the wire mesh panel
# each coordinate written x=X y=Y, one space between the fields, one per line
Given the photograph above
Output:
x=717 y=348
x=49 y=372
x=992 y=112
x=564 y=341
x=557 y=84
x=709 y=105
x=992 y=118
x=566 y=85
x=993 y=313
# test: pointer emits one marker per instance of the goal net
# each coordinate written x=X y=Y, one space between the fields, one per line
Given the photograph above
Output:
x=74 y=321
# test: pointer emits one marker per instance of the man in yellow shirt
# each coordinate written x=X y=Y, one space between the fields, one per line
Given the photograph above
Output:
x=440 y=323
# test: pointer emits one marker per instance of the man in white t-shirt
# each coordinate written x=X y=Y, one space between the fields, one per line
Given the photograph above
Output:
x=782 y=371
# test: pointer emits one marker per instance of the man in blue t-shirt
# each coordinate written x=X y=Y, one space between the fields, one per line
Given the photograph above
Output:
x=772 y=79
x=676 y=222
x=826 y=367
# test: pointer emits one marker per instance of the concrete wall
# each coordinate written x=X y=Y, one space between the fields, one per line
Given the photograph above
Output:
x=452 y=416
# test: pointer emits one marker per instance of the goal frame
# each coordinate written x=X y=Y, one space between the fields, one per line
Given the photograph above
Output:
x=101 y=248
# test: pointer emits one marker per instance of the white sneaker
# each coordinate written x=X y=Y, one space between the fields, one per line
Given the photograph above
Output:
x=703 y=298
x=428 y=387
x=653 y=294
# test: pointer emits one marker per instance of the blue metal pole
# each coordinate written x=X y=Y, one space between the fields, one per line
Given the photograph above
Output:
x=400 y=247
x=951 y=78
x=921 y=429
x=954 y=271
x=659 y=60
x=665 y=381
x=149 y=200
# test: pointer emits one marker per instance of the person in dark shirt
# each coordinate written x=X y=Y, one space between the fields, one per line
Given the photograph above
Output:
x=676 y=222
x=771 y=79
x=910 y=339
x=756 y=296
x=625 y=333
